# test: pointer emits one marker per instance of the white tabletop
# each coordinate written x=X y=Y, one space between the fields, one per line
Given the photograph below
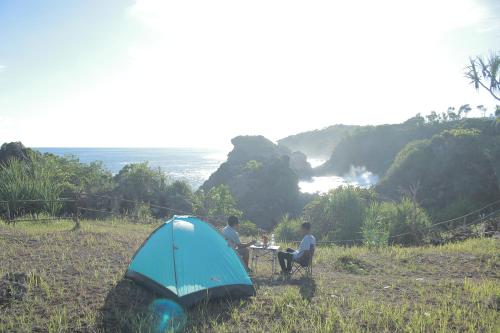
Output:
x=271 y=248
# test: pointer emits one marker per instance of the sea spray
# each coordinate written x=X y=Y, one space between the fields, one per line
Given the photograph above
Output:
x=356 y=176
x=360 y=176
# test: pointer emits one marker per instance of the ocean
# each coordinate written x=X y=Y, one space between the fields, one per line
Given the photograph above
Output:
x=190 y=164
x=195 y=165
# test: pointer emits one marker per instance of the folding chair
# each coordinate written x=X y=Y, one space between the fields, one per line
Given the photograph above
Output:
x=305 y=264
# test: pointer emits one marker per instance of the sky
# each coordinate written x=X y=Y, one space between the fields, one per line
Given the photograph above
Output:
x=160 y=73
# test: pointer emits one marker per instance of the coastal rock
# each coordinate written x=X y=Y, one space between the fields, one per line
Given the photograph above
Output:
x=299 y=164
x=13 y=150
x=261 y=180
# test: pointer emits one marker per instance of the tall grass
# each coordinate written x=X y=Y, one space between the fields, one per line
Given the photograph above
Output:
x=34 y=179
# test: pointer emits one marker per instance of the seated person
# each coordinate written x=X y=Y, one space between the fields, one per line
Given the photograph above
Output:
x=230 y=232
x=308 y=242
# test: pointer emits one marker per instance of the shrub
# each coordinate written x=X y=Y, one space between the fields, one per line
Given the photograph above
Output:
x=339 y=214
x=375 y=227
x=35 y=179
x=218 y=203
x=288 y=229
x=410 y=221
x=248 y=228
x=404 y=223
x=142 y=213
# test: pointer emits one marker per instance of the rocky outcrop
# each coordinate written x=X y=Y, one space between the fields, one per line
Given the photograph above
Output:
x=299 y=164
x=13 y=150
x=258 y=148
x=261 y=179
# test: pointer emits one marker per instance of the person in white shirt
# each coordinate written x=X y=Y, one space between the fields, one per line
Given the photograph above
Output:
x=308 y=243
x=230 y=232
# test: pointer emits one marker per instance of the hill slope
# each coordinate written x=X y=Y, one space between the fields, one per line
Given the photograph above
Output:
x=73 y=283
x=317 y=143
x=375 y=147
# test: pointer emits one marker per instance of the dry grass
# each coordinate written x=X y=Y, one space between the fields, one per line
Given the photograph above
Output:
x=58 y=280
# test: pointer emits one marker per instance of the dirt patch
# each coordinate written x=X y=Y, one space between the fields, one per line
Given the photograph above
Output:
x=13 y=287
x=352 y=264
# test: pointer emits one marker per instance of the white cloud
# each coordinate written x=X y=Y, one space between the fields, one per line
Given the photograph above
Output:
x=2 y=68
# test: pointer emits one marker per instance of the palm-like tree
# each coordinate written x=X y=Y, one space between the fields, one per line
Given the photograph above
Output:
x=485 y=73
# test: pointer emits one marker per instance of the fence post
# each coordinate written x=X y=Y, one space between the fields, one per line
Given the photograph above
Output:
x=77 y=215
x=8 y=213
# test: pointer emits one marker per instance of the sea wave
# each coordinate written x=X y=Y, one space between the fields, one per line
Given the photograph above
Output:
x=356 y=176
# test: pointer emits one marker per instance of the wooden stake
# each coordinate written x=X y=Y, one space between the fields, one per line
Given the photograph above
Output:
x=8 y=213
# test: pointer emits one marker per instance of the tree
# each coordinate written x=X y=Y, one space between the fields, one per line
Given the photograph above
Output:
x=218 y=203
x=485 y=73
x=482 y=109
x=432 y=118
x=464 y=109
x=452 y=115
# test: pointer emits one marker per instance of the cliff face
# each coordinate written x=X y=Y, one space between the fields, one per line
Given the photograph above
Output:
x=261 y=179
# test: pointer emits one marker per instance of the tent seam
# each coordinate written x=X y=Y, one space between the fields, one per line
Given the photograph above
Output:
x=173 y=255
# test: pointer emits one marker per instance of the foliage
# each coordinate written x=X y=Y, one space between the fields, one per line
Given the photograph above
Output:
x=35 y=179
x=375 y=147
x=408 y=222
x=253 y=165
x=142 y=213
x=485 y=73
x=375 y=229
x=339 y=214
x=138 y=182
x=49 y=177
x=218 y=203
x=451 y=167
x=177 y=197
x=83 y=178
x=248 y=228
x=288 y=229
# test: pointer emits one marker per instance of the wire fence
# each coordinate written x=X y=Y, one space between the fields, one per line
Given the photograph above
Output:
x=76 y=209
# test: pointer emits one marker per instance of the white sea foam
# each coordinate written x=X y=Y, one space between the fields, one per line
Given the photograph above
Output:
x=357 y=176
x=315 y=162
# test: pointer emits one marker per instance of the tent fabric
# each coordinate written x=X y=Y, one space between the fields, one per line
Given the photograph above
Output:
x=188 y=260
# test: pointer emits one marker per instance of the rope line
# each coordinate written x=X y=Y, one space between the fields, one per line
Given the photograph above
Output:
x=216 y=221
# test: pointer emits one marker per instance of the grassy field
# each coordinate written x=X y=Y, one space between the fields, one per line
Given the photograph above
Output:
x=58 y=280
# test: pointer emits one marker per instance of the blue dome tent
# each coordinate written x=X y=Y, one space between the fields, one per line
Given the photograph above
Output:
x=188 y=260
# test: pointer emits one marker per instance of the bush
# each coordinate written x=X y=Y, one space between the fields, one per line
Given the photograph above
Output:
x=218 y=203
x=375 y=228
x=35 y=179
x=384 y=222
x=408 y=219
x=288 y=229
x=139 y=182
x=339 y=214
x=248 y=228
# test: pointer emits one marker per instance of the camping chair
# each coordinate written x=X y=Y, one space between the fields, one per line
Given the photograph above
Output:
x=305 y=263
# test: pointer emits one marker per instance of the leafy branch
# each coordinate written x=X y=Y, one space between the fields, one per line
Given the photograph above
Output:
x=485 y=73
